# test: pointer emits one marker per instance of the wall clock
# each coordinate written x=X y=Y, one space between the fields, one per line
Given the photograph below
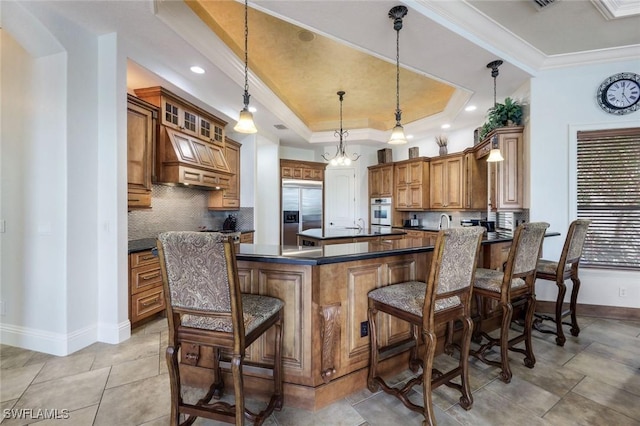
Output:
x=620 y=93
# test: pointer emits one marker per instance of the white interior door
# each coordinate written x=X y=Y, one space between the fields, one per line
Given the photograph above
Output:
x=340 y=197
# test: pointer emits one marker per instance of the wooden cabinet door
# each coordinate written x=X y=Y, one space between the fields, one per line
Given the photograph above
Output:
x=415 y=172
x=141 y=135
x=510 y=173
x=401 y=172
x=446 y=183
x=386 y=181
x=475 y=183
x=374 y=182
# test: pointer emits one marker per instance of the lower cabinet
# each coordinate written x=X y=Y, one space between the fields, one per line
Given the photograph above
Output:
x=246 y=238
x=146 y=295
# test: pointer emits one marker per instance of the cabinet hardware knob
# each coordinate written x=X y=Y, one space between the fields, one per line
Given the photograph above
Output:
x=151 y=302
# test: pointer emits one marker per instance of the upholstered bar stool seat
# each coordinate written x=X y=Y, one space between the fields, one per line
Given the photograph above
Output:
x=206 y=308
x=512 y=287
x=559 y=271
x=443 y=299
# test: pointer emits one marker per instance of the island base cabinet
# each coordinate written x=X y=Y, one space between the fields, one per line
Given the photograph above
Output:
x=326 y=333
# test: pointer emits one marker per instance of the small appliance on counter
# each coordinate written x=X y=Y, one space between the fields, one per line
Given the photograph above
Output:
x=230 y=223
x=413 y=223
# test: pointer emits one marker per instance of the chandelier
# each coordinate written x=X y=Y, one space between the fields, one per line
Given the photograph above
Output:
x=245 y=121
x=397 y=134
x=341 y=158
x=494 y=155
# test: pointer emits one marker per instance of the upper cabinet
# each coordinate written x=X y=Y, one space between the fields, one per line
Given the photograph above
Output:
x=305 y=170
x=191 y=143
x=381 y=180
x=229 y=199
x=506 y=177
x=412 y=184
x=447 y=182
x=141 y=135
x=181 y=115
x=475 y=183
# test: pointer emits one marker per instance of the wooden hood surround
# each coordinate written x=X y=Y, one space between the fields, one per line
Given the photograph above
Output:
x=190 y=145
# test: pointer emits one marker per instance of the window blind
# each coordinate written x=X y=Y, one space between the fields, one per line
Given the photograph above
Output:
x=608 y=185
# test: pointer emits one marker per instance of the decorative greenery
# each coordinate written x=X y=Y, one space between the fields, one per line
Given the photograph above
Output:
x=508 y=113
x=442 y=140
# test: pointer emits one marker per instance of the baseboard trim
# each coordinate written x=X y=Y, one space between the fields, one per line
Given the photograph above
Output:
x=610 y=312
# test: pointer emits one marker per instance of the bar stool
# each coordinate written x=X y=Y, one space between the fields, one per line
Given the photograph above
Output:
x=205 y=307
x=445 y=297
x=565 y=268
x=513 y=287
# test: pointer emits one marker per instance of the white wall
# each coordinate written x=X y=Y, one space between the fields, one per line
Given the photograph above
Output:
x=266 y=212
x=65 y=286
x=562 y=102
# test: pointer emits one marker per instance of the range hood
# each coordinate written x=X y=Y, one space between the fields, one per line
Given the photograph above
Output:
x=188 y=161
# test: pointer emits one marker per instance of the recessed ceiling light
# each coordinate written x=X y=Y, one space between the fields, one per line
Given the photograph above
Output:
x=197 y=70
x=252 y=109
x=409 y=136
x=445 y=126
x=470 y=108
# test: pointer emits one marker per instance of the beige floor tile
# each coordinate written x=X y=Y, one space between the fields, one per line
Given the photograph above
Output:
x=65 y=366
x=12 y=357
x=160 y=421
x=607 y=371
x=615 y=353
x=611 y=397
x=131 y=371
x=68 y=393
x=340 y=413
x=135 y=403
x=16 y=380
x=574 y=409
x=525 y=394
x=490 y=409
x=549 y=376
x=137 y=347
x=383 y=409
x=607 y=333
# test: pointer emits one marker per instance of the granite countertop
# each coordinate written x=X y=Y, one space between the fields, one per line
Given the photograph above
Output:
x=337 y=233
x=150 y=243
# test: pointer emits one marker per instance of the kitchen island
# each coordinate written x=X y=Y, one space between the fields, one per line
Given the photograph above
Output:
x=323 y=237
x=325 y=341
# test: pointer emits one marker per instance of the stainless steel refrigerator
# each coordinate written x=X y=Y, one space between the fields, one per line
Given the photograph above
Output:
x=301 y=208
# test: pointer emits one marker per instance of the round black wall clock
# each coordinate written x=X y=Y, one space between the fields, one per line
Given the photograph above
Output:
x=620 y=93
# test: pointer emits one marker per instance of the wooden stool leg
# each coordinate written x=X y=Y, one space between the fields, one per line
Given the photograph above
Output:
x=373 y=364
x=562 y=290
x=277 y=365
x=414 y=359
x=238 y=386
x=529 y=359
x=507 y=312
x=466 y=400
x=575 y=330
x=429 y=352
x=174 y=382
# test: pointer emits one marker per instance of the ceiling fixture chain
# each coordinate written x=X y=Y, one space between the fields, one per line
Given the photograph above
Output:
x=494 y=155
x=397 y=134
x=245 y=121
x=341 y=158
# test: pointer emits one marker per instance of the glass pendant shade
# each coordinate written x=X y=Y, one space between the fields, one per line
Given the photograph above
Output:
x=397 y=135
x=245 y=122
x=495 y=156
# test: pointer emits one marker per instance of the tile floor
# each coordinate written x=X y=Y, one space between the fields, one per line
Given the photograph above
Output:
x=593 y=380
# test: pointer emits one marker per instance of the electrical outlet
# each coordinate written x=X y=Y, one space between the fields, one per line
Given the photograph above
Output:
x=622 y=292
x=364 y=328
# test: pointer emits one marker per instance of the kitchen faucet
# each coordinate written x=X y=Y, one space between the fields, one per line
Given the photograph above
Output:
x=446 y=216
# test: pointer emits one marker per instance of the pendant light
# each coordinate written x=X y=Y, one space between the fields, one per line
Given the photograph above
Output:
x=341 y=158
x=397 y=134
x=245 y=121
x=494 y=155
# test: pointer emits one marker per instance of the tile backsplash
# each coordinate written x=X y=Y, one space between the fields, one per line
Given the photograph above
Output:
x=181 y=209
